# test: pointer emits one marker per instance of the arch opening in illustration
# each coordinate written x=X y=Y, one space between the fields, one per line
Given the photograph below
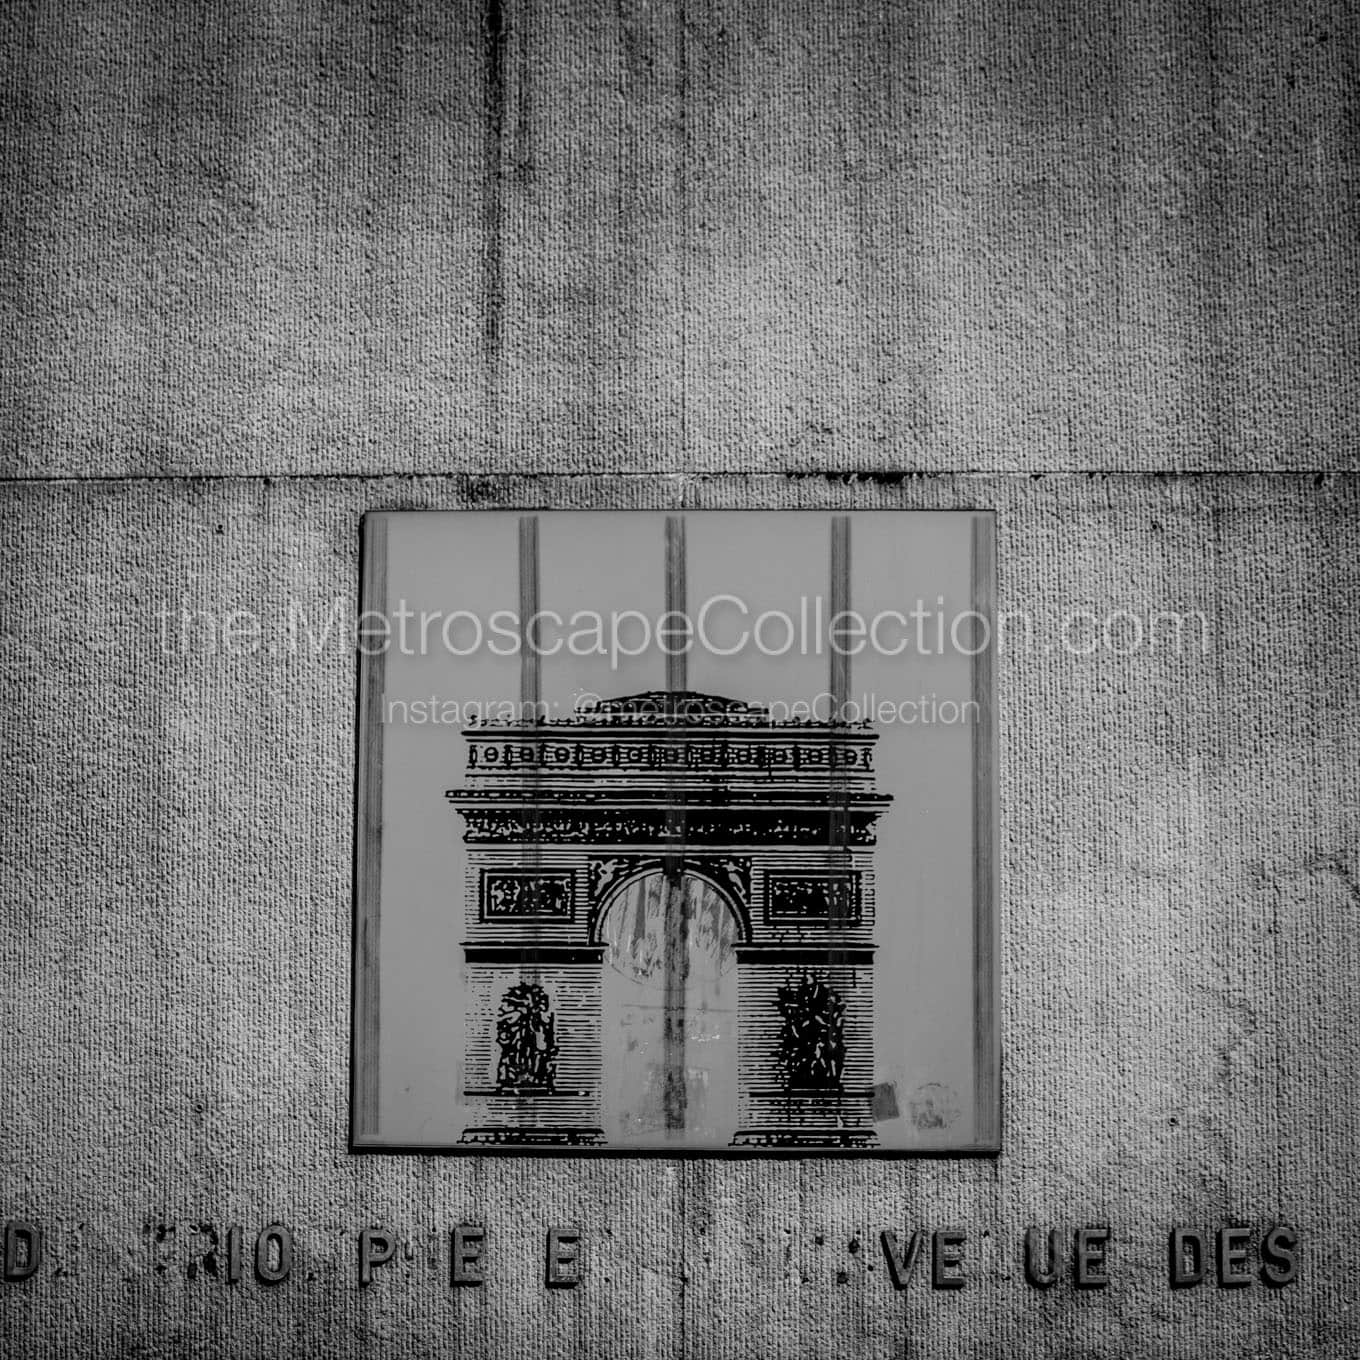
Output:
x=669 y=1008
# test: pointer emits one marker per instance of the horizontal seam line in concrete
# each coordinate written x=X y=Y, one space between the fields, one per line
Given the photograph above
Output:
x=866 y=475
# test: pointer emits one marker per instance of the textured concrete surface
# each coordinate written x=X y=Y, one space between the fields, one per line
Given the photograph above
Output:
x=1179 y=955
x=245 y=246
x=657 y=234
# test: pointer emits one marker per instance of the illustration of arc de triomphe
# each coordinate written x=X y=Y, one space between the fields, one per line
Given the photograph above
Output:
x=701 y=808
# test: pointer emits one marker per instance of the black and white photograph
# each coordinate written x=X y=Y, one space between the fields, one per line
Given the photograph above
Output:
x=683 y=679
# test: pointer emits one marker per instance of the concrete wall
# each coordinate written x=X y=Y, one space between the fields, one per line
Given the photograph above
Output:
x=265 y=269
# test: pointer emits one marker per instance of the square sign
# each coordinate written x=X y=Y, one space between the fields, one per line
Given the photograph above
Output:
x=676 y=833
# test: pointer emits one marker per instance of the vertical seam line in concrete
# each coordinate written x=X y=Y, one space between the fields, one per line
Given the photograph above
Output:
x=682 y=193
x=494 y=22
